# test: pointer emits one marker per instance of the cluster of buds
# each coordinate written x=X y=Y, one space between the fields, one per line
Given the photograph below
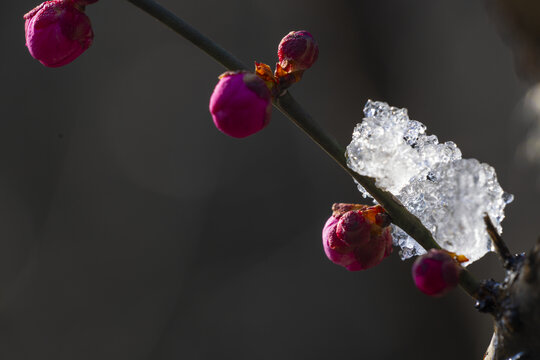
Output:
x=357 y=237
x=58 y=31
x=240 y=106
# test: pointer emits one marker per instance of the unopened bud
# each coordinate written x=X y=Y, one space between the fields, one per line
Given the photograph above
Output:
x=240 y=104
x=297 y=51
x=353 y=239
x=435 y=273
x=57 y=32
x=353 y=228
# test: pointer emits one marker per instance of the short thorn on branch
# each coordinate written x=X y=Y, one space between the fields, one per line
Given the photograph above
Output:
x=510 y=261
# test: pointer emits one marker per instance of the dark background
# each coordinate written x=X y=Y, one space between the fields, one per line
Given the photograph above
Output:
x=130 y=228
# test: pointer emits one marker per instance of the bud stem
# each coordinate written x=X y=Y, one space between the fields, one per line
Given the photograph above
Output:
x=290 y=108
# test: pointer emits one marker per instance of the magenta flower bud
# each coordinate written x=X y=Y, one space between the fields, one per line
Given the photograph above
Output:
x=57 y=32
x=336 y=250
x=353 y=228
x=379 y=247
x=354 y=241
x=435 y=273
x=297 y=51
x=240 y=104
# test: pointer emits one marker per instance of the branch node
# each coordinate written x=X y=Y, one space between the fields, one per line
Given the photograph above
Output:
x=488 y=297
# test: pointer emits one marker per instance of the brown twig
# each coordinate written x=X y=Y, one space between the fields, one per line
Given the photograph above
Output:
x=500 y=247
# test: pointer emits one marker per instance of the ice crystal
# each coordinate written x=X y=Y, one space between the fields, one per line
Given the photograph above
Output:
x=388 y=137
x=448 y=194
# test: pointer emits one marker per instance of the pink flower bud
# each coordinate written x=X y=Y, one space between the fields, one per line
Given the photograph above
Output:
x=379 y=247
x=57 y=32
x=354 y=240
x=240 y=104
x=353 y=228
x=297 y=51
x=435 y=273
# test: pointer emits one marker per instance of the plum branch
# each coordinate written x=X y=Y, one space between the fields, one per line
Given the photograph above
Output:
x=293 y=110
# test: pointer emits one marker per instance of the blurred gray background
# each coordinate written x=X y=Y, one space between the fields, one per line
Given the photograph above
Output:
x=130 y=228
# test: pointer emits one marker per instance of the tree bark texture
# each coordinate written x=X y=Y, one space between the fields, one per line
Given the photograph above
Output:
x=517 y=312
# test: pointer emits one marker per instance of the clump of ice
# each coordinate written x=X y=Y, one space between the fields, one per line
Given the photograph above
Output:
x=448 y=194
x=393 y=149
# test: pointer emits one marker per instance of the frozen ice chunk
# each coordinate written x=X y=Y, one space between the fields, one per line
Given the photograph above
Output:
x=452 y=202
x=448 y=194
x=388 y=136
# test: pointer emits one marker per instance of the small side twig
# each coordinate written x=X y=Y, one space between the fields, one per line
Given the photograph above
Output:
x=500 y=247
